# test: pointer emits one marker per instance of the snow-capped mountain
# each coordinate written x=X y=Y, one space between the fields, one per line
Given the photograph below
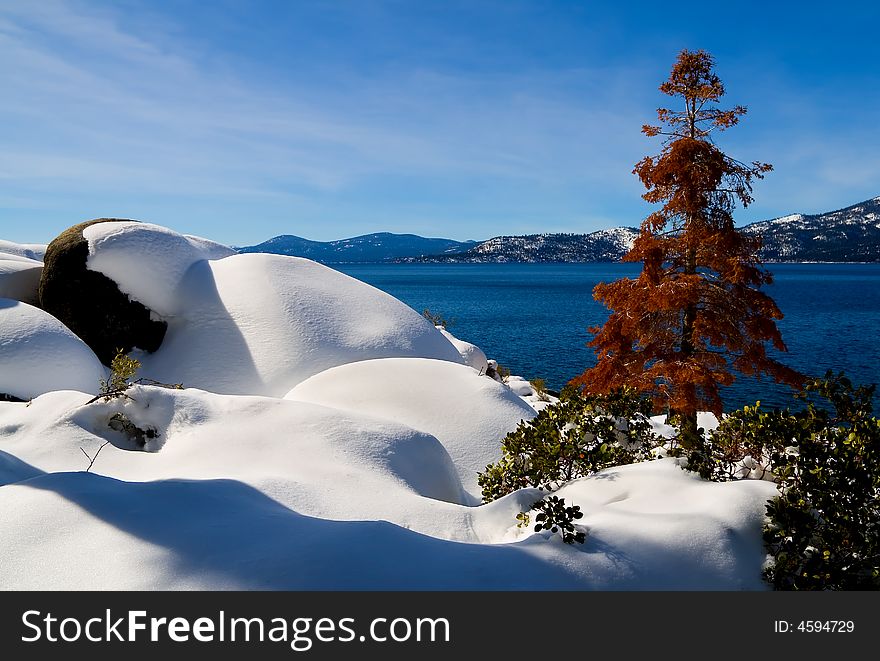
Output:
x=369 y=248
x=603 y=246
x=846 y=235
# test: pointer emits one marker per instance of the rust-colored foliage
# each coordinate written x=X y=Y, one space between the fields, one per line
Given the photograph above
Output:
x=695 y=314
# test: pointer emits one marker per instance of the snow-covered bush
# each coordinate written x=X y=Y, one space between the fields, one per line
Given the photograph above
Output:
x=738 y=448
x=577 y=436
x=824 y=529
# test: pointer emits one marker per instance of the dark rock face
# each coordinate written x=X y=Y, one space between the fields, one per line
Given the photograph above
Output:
x=89 y=303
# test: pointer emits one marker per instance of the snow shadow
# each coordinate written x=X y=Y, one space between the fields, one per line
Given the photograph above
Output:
x=231 y=536
x=13 y=469
x=204 y=316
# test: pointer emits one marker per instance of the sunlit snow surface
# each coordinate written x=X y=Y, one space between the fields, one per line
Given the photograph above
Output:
x=20 y=268
x=362 y=477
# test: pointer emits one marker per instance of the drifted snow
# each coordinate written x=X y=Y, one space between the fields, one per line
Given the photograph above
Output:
x=362 y=478
x=20 y=278
x=705 y=421
x=35 y=251
x=260 y=324
x=146 y=261
x=257 y=492
x=39 y=354
x=20 y=267
x=253 y=324
x=468 y=413
x=472 y=355
x=653 y=520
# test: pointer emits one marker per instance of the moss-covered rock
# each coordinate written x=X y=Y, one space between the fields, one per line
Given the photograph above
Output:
x=89 y=303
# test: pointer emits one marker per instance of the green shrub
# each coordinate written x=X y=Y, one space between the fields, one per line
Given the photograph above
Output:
x=738 y=448
x=823 y=529
x=555 y=516
x=123 y=369
x=540 y=388
x=574 y=437
x=436 y=319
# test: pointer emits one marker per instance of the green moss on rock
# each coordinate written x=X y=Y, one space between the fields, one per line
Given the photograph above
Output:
x=89 y=303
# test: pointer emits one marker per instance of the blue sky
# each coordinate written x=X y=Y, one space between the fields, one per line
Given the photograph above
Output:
x=242 y=120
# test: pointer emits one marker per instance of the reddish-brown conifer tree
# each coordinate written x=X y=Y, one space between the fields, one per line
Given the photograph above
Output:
x=695 y=314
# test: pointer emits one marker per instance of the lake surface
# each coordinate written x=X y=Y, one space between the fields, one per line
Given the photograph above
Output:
x=533 y=318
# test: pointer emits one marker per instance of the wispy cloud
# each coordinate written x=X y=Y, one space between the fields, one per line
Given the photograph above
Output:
x=110 y=109
x=98 y=104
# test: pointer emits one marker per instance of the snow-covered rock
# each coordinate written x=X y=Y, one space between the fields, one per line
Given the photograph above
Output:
x=39 y=354
x=148 y=262
x=91 y=304
x=34 y=251
x=253 y=323
x=20 y=267
x=261 y=324
x=653 y=519
x=20 y=278
x=468 y=413
x=472 y=355
x=520 y=386
x=290 y=450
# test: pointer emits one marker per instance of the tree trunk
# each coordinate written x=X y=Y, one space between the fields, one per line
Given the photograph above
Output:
x=688 y=417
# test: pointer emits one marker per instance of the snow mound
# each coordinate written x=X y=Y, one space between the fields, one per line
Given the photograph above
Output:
x=35 y=251
x=305 y=456
x=529 y=394
x=362 y=477
x=260 y=324
x=472 y=355
x=520 y=386
x=39 y=354
x=468 y=413
x=13 y=469
x=255 y=323
x=19 y=277
x=652 y=520
x=243 y=492
x=225 y=535
x=147 y=262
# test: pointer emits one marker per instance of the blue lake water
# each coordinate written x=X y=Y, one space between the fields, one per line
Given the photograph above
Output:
x=533 y=318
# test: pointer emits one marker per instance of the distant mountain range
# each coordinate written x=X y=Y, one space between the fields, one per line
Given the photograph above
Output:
x=846 y=235
x=602 y=246
x=366 y=249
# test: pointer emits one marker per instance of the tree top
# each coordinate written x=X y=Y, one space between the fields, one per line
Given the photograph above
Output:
x=693 y=79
